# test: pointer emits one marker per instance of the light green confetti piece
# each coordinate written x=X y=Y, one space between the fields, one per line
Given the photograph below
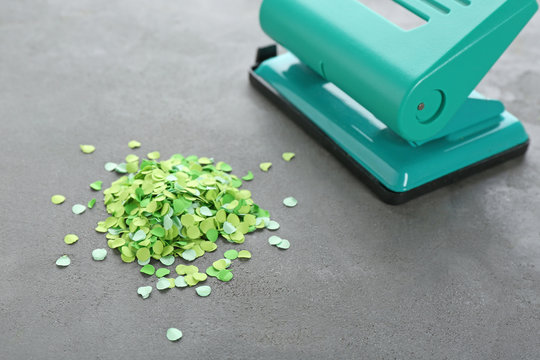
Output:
x=228 y=228
x=288 y=156
x=265 y=166
x=96 y=185
x=154 y=155
x=274 y=240
x=148 y=269
x=244 y=254
x=99 y=254
x=225 y=275
x=228 y=262
x=71 y=239
x=173 y=334
x=223 y=166
x=220 y=264
x=272 y=225
x=231 y=254
x=63 y=261
x=158 y=230
x=133 y=144
x=91 y=203
x=208 y=246
x=132 y=158
x=205 y=211
x=144 y=291
x=290 y=201
x=142 y=263
x=161 y=272
x=189 y=255
x=212 y=235
x=212 y=271
x=163 y=284
x=132 y=167
x=121 y=168
x=88 y=149
x=58 y=199
x=143 y=254
x=110 y=166
x=203 y=291
x=284 y=244
x=139 y=235
x=248 y=177
x=199 y=276
x=180 y=282
x=78 y=209
x=167 y=260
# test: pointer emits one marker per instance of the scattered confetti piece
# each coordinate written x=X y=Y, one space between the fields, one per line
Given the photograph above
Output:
x=231 y=254
x=212 y=271
x=133 y=144
x=189 y=255
x=99 y=254
x=284 y=244
x=173 y=334
x=63 y=261
x=91 y=203
x=288 y=156
x=222 y=166
x=71 y=239
x=220 y=264
x=121 y=168
x=154 y=155
x=244 y=254
x=265 y=166
x=203 y=291
x=78 y=209
x=225 y=275
x=162 y=272
x=96 y=185
x=166 y=260
x=180 y=282
x=272 y=225
x=58 y=199
x=274 y=240
x=163 y=283
x=290 y=201
x=144 y=291
x=88 y=149
x=148 y=269
x=110 y=166
x=248 y=177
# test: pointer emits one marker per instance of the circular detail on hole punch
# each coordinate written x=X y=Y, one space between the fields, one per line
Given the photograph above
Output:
x=432 y=106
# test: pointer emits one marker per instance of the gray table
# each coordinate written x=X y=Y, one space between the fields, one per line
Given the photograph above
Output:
x=452 y=275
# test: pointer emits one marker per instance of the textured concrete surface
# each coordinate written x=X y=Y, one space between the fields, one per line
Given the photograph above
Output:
x=453 y=275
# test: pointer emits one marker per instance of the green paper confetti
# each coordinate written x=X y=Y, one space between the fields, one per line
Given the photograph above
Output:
x=231 y=254
x=96 y=185
x=144 y=291
x=203 y=291
x=71 y=239
x=167 y=260
x=290 y=201
x=189 y=255
x=143 y=254
x=63 y=261
x=248 y=177
x=91 y=203
x=225 y=275
x=220 y=264
x=265 y=166
x=180 y=282
x=133 y=144
x=88 y=149
x=244 y=254
x=78 y=209
x=163 y=284
x=99 y=254
x=199 y=276
x=173 y=334
x=110 y=166
x=284 y=244
x=272 y=225
x=154 y=155
x=223 y=166
x=161 y=272
x=274 y=240
x=148 y=269
x=288 y=156
x=58 y=199
x=212 y=271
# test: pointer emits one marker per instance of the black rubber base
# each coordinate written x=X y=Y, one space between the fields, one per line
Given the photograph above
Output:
x=386 y=195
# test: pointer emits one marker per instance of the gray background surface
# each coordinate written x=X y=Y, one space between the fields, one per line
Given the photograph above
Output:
x=453 y=275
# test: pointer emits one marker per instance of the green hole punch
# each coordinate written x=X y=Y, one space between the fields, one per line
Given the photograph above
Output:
x=398 y=106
